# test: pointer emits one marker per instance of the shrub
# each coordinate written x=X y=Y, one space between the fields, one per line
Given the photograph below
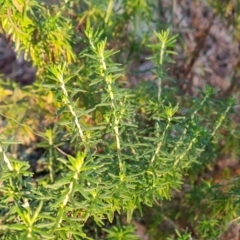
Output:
x=104 y=148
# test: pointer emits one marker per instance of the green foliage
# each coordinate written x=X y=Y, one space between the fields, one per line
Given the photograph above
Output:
x=119 y=232
x=106 y=149
x=184 y=236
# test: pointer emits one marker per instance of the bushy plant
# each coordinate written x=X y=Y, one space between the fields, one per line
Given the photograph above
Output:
x=105 y=149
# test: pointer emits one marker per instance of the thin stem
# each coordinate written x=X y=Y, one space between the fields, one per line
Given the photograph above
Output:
x=187 y=150
x=219 y=122
x=160 y=143
x=71 y=108
x=68 y=195
x=178 y=144
x=6 y=160
x=162 y=51
x=108 y=79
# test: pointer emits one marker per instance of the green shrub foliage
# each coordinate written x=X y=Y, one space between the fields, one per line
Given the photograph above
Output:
x=105 y=148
